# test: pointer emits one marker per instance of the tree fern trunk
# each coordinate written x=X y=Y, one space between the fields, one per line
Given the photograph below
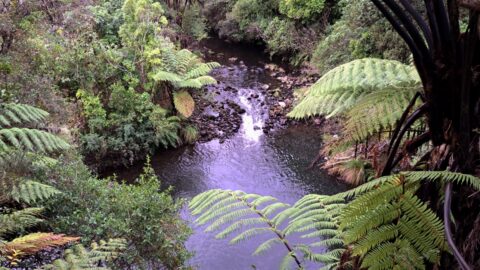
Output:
x=449 y=65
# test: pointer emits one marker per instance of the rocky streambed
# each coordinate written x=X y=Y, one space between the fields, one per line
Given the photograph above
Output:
x=267 y=86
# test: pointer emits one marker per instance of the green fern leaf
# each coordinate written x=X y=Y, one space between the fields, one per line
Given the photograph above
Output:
x=342 y=87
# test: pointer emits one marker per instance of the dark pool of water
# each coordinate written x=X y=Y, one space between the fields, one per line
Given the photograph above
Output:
x=273 y=165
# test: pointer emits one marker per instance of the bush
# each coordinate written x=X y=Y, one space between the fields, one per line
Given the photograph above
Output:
x=140 y=213
x=361 y=32
x=126 y=129
x=193 y=23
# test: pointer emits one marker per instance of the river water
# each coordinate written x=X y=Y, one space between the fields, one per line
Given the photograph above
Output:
x=274 y=164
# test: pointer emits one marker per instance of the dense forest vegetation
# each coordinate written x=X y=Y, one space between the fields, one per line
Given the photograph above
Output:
x=87 y=86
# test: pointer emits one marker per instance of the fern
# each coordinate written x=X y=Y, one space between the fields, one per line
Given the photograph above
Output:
x=33 y=243
x=377 y=111
x=390 y=227
x=381 y=224
x=313 y=217
x=342 y=87
x=189 y=134
x=79 y=257
x=32 y=191
x=31 y=140
x=166 y=128
x=184 y=103
x=19 y=220
x=15 y=114
x=182 y=68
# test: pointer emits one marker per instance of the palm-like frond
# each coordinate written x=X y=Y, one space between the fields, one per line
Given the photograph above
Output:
x=19 y=220
x=81 y=258
x=377 y=111
x=382 y=222
x=389 y=226
x=15 y=114
x=31 y=191
x=33 y=243
x=30 y=140
x=342 y=87
x=182 y=68
x=184 y=103
x=245 y=215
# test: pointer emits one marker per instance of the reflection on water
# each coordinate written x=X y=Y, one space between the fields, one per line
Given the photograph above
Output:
x=250 y=161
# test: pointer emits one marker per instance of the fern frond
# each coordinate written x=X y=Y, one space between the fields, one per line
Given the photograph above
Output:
x=201 y=70
x=388 y=211
x=250 y=213
x=32 y=191
x=81 y=258
x=31 y=140
x=184 y=103
x=35 y=242
x=15 y=114
x=342 y=87
x=377 y=111
x=165 y=76
x=444 y=177
x=19 y=220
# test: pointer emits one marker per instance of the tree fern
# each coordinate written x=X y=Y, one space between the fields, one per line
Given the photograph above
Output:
x=377 y=111
x=79 y=257
x=31 y=191
x=15 y=114
x=31 y=140
x=381 y=224
x=385 y=214
x=342 y=87
x=33 y=243
x=19 y=220
x=182 y=68
x=184 y=103
x=25 y=138
x=246 y=215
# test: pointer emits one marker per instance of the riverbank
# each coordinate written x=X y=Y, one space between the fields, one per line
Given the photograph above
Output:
x=219 y=116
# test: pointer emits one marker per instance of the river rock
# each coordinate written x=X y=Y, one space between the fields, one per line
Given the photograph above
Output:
x=265 y=87
x=282 y=104
x=232 y=59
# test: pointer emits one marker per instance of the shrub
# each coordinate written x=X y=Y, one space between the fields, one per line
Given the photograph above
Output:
x=193 y=23
x=147 y=218
x=361 y=32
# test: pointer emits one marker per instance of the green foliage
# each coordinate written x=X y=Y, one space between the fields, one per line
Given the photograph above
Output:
x=301 y=9
x=189 y=134
x=262 y=21
x=342 y=87
x=371 y=93
x=13 y=113
x=26 y=138
x=108 y=19
x=78 y=257
x=182 y=68
x=380 y=225
x=247 y=215
x=377 y=111
x=143 y=20
x=18 y=221
x=148 y=219
x=193 y=23
x=360 y=32
x=127 y=128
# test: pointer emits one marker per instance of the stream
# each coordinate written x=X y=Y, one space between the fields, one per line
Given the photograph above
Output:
x=274 y=164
